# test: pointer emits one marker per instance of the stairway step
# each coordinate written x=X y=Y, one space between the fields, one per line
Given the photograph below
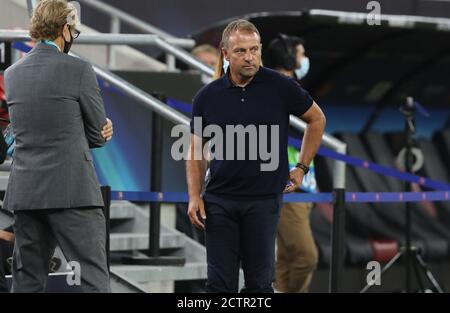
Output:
x=132 y=241
x=4 y=176
x=143 y=274
x=122 y=210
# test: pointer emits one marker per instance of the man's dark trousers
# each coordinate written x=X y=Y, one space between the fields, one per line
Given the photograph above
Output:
x=79 y=232
x=240 y=231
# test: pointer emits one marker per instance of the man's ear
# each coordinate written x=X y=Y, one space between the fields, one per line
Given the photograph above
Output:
x=66 y=32
x=225 y=54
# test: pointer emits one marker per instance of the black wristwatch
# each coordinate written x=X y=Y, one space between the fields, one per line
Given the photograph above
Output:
x=303 y=167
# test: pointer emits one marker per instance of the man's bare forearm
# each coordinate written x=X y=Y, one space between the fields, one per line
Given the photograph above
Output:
x=312 y=138
x=195 y=172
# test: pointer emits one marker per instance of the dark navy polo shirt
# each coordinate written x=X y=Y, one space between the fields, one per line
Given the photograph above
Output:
x=267 y=100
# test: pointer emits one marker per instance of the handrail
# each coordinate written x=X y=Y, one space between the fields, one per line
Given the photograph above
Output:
x=338 y=229
x=171 y=114
x=143 y=97
x=185 y=57
x=107 y=39
x=117 y=16
x=176 y=117
x=332 y=143
x=135 y=22
x=135 y=39
x=393 y=20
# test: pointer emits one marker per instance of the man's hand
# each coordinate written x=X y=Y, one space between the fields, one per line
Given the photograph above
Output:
x=7 y=236
x=296 y=178
x=196 y=204
x=107 y=130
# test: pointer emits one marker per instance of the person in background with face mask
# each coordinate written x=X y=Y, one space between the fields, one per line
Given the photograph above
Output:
x=302 y=66
x=57 y=115
x=297 y=254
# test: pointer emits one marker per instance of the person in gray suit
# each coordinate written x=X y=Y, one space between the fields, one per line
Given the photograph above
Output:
x=57 y=115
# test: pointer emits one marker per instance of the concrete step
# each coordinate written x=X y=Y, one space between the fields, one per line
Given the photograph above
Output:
x=4 y=176
x=133 y=241
x=144 y=274
x=123 y=285
x=122 y=210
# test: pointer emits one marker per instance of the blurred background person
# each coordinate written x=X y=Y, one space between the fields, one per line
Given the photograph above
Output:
x=209 y=56
x=297 y=255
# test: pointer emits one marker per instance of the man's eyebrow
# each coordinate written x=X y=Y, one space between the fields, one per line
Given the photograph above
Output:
x=242 y=48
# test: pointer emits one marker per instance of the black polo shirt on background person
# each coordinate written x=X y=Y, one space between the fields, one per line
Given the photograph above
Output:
x=267 y=100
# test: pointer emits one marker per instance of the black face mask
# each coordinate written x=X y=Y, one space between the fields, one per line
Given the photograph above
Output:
x=68 y=44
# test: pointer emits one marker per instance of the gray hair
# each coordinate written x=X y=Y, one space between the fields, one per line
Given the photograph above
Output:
x=237 y=25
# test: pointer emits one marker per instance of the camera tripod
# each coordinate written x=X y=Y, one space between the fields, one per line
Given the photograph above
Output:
x=411 y=254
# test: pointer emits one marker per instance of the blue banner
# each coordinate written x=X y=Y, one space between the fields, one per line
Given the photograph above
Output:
x=350 y=197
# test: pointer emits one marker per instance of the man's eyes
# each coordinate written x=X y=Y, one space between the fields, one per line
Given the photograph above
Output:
x=252 y=50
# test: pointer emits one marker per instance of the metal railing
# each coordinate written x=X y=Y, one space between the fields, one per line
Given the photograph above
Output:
x=398 y=21
x=121 y=16
x=332 y=143
x=118 y=16
x=338 y=226
x=138 y=94
x=167 y=45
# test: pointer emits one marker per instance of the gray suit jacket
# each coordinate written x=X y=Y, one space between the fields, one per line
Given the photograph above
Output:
x=57 y=114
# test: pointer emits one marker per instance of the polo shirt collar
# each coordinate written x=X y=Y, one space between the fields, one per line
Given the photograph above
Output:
x=229 y=84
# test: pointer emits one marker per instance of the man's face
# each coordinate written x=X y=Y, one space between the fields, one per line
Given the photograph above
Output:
x=208 y=58
x=244 y=53
x=300 y=54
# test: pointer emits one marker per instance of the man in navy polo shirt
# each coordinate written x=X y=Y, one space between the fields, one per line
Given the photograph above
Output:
x=244 y=115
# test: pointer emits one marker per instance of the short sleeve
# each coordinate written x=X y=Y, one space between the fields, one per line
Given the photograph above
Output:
x=298 y=100
x=197 y=112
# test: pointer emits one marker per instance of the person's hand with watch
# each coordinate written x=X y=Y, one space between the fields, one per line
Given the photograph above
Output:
x=296 y=177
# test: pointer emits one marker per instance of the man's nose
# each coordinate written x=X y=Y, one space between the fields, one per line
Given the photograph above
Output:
x=248 y=56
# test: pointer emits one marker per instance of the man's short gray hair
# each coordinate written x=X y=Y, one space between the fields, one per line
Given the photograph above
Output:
x=237 y=25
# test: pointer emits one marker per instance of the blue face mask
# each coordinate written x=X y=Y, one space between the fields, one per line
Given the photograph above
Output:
x=301 y=71
x=225 y=65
